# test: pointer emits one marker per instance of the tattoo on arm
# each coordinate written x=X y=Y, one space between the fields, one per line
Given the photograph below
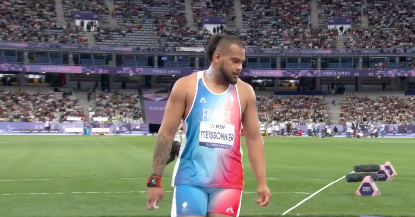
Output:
x=161 y=154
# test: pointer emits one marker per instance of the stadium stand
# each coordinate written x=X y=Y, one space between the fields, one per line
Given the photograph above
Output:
x=385 y=108
x=123 y=105
x=94 y=6
x=135 y=25
x=163 y=23
x=37 y=105
x=214 y=8
x=298 y=109
x=15 y=106
x=149 y=23
x=391 y=26
x=170 y=25
x=35 y=21
x=287 y=27
x=339 y=8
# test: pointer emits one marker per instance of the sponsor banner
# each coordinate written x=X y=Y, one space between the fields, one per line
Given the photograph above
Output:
x=154 y=111
x=185 y=72
x=151 y=50
x=191 y=49
x=214 y=20
x=122 y=127
x=391 y=130
x=85 y=16
x=327 y=51
x=31 y=127
x=328 y=73
x=339 y=21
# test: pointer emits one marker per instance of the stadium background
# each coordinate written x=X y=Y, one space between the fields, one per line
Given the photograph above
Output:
x=108 y=66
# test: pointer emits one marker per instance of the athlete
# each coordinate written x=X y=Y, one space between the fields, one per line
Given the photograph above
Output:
x=208 y=176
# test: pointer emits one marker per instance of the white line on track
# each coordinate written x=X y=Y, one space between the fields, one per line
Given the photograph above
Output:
x=131 y=178
x=123 y=192
x=314 y=194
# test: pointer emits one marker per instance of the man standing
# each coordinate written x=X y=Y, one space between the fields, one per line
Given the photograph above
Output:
x=213 y=104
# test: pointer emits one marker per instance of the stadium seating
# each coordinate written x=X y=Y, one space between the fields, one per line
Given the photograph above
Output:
x=164 y=23
x=298 y=109
x=37 y=105
x=151 y=23
x=35 y=21
x=287 y=27
x=390 y=26
x=123 y=105
x=94 y=6
x=387 y=108
x=344 y=8
x=15 y=106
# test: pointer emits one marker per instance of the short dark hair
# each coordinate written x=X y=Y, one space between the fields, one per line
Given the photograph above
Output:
x=221 y=40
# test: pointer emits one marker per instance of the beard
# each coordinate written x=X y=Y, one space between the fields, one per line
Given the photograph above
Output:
x=227 y=76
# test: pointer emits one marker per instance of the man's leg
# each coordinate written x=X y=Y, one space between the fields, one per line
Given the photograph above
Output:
x=189 y=201
x=224 y=202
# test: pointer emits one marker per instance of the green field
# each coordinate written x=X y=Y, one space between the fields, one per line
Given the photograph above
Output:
x=105 y=176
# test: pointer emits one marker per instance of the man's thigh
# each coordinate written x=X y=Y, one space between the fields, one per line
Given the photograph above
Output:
x=189 y=201
x=224 y=202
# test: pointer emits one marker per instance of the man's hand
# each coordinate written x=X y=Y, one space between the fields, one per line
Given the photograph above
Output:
x=155 y=195
x=264 y=195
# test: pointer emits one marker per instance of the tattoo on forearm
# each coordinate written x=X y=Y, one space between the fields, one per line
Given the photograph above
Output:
x=161 y=154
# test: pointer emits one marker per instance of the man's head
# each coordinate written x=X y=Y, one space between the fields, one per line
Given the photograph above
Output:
x=226 y=54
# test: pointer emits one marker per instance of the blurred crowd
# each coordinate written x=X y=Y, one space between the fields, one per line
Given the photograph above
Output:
x=378 y=110
x=122 y=106
x=294 y=109
x=341 y=8
x=280 y=24
x=35 y=21
x=38 y=106
x=94 y=6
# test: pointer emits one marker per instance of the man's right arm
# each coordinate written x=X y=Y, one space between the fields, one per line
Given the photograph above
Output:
x=173 y=113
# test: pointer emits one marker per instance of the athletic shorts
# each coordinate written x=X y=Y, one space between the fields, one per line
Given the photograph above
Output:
x=198 y=201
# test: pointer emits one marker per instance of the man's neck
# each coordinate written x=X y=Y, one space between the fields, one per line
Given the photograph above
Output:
x=213 y=76
x=210 y=74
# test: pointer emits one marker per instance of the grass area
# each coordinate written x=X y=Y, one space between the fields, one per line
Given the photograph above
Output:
x=105 y=176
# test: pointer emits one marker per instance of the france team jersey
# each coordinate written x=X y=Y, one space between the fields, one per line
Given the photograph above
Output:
x=211 y=154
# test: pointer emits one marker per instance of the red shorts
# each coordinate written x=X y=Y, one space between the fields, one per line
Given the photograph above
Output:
x=199 y=201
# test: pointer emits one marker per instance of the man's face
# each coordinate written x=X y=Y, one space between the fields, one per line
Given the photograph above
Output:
x=230 y=63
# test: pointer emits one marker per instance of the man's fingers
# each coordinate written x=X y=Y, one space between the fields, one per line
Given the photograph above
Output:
x=160 y=199
x=148 y=204
x=151 y=203
x=154 y=205
x=266 y=200
x=258 y=201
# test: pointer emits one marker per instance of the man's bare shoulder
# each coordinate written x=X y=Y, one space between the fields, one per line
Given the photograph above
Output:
x=245 y=89
x=184 y=82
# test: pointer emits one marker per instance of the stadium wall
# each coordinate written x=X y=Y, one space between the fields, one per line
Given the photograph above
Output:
x=67 y=128
x=78 y=128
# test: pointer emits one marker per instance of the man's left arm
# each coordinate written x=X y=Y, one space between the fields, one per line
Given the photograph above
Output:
x=255 y=144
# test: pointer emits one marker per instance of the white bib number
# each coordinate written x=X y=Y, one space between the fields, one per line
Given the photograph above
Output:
x=215 y=135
